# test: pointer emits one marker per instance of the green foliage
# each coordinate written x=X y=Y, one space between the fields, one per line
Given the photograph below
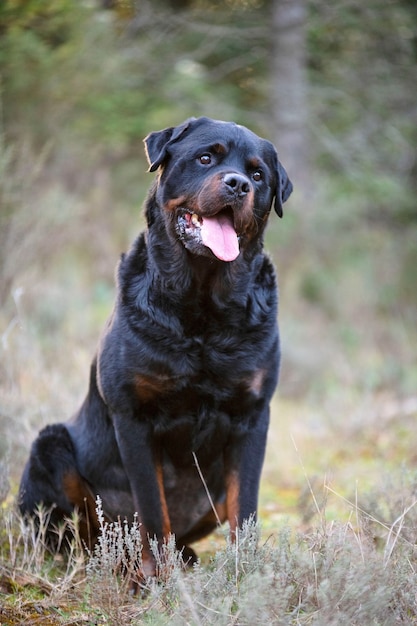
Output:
x=68 y=68
x=37 y=38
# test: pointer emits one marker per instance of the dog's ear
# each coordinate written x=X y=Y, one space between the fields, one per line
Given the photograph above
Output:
x=156 y=143
x=284 y=188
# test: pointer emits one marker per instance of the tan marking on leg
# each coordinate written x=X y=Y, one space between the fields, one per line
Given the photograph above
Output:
x=80 y=496
x=232 y=501
x=166 y=522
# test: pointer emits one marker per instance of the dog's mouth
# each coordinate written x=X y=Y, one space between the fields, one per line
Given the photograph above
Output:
x=215 y=232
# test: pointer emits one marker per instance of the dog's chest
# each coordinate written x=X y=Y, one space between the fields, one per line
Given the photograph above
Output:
x=222 y=349
x=200 y=390
x=212 y=370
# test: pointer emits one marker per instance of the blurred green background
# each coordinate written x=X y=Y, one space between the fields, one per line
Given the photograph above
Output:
x=333 y=84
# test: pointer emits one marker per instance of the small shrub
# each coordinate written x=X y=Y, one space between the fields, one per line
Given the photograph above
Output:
x=115 y=558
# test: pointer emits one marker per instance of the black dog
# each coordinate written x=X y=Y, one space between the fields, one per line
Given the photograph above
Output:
x=179 y=394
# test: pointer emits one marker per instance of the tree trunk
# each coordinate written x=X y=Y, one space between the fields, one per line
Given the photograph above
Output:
x=289 y=90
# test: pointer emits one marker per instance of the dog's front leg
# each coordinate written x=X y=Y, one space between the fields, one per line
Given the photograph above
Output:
x=243 y=466
x=142 y=462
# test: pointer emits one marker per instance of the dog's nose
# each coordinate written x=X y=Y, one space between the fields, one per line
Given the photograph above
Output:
x=238 y=184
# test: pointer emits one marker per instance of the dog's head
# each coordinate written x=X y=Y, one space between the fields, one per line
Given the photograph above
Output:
x=216 y=185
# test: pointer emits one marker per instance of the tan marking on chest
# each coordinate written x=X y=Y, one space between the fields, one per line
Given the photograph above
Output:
x=150 y=387
x=255 y=383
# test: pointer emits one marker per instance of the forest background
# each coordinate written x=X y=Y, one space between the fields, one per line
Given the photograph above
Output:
x=333 y=84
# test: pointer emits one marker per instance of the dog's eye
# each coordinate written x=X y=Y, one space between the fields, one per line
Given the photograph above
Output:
x=257 y=176
x=205 y=159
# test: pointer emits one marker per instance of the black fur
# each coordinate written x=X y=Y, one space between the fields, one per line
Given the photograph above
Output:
x=189 y=360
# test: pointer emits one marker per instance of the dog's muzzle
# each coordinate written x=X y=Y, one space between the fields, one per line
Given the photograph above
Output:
x=218 y=217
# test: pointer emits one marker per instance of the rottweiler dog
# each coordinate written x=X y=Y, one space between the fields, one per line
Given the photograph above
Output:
x=175 y=421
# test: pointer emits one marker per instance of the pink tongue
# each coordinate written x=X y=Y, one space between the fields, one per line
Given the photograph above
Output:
x=218 y=234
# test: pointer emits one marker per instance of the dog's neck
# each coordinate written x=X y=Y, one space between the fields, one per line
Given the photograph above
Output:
x=158 y=270
x=185 y=273
x=206 y=272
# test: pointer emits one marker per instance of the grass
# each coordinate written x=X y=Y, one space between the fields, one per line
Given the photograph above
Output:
x=361 y=571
